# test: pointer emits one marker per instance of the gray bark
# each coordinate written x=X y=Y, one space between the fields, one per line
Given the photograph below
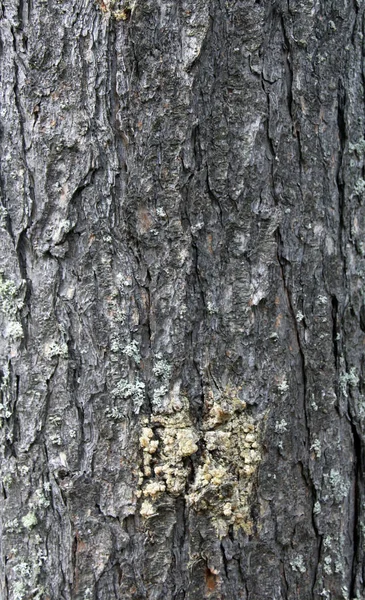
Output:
x=182 y=299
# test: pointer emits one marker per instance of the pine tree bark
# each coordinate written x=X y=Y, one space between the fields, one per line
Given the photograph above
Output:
x=182 y=299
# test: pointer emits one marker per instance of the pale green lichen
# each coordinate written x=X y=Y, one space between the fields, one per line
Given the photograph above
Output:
x=7 y=479
x=114 y=413
x=12 y=526
x=161 y=368
x=345 y=592
x=3 y=216
x=21 y=586
x=29 y=520
x=55 y=348
x=338 y=485
x=14 y=331
x=212 y=309
x=351 y=378
x=10 y=305
x=133 y=391
x=359 y=187
x=158 y=394
x=359 y=147
x=162 y=371
x=40 y=499
x=132 y=350
x=27 y=582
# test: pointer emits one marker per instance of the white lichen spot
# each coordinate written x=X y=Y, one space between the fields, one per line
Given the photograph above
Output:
x=160 y=212
x=283 y=386
x=317 y=508
x=297 y=564
x=327 y=568
x=316 y=448
x=281 y=426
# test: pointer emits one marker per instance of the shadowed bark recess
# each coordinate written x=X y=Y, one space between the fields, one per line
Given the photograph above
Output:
x=182 y=218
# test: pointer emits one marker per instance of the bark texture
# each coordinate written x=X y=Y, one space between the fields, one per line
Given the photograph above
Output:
x=182 y=299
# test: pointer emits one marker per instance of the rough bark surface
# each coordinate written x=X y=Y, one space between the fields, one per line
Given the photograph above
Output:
x=182 y=299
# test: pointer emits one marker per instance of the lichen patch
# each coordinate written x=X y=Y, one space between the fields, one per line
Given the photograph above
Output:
x=225 y=451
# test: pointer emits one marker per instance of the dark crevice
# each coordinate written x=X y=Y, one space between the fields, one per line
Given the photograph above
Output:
x=285 y=586
x=74 y=559
x=281 y=262
x=288 y=71
x=21 y=249
x=315 y=575
x=356 y=534
x=270 y=142
x=46 y=406
x=341 y=124
x=335 y=331
x=214 y=199
x=179 y=540
x=20 y=14
x=354 y=28
x=195 y=137
x=304 y=469
x=12 y=423
x=225 y=561
x=134 y=553
x=74 y=375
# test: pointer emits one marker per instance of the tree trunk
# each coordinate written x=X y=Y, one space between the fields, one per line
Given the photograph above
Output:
x=182 y=299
